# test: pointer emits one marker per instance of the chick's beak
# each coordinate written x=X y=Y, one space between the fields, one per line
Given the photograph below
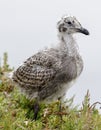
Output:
x=83 y=30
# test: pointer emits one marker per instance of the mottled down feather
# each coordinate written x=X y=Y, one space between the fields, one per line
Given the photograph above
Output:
x=45 y=72
x=35 y=71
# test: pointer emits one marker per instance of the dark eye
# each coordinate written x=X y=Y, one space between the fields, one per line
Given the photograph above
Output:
x=69 y=22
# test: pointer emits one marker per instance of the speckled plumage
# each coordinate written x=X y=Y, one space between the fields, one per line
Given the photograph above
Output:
x=46 y=74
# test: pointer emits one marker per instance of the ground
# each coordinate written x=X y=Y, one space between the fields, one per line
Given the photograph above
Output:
x=16 y=113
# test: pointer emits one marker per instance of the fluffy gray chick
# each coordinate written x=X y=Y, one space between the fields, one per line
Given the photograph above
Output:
x=47 y=74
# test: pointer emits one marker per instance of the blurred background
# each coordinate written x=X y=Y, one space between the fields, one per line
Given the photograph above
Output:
x=27 y=26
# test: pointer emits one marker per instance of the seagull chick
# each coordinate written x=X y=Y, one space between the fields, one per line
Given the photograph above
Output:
x=47 y=74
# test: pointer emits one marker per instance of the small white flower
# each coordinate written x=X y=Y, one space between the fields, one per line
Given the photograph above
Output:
x=26 y=123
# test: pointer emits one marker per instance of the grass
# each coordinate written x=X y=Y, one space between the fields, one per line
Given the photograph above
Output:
x=16 y=111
